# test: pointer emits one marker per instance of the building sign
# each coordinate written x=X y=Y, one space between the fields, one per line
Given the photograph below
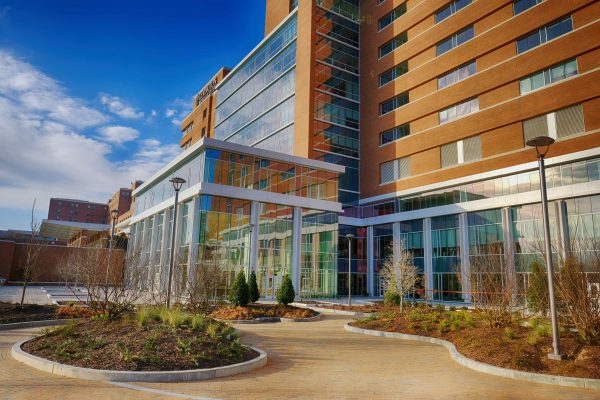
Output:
x=206 y=91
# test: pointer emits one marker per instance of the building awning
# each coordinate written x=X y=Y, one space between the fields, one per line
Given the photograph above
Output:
x=65 y=230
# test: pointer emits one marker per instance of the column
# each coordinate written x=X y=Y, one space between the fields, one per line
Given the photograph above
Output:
x=564 y=240
x=370 y=261
x=297 y=250
x=509 y=248
x=194 y=228
x=152 y=268
x=465 y=264
x=254 y=223
x=428 y=261
x=164 y=254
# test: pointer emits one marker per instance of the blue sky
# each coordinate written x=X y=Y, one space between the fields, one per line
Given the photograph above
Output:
x=92 y=92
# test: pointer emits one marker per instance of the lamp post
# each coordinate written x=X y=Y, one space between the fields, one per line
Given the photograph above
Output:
x=542 y=144
x=177 y=184
x=349 y=236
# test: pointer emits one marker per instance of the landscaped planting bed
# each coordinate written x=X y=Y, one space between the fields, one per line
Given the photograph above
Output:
x=523 y=345
x=11 y=313
x=256 y=311
x=367 y=308
x=154 y=339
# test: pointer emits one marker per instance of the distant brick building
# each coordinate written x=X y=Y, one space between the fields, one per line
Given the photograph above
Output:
x=77 y=211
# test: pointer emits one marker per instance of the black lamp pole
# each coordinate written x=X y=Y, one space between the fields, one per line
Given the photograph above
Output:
x=177 y=183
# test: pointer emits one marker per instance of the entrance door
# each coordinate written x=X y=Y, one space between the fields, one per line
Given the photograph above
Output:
x=271 y=283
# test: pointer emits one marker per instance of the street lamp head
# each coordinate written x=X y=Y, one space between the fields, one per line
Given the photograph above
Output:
x=114 y=214
x=349 y=236
x=177 y=183
x=541 y=144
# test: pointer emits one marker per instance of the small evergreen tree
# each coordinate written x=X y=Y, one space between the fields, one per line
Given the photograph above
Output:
x=240 y=294
x=286 y=293
x=253 y=288
x=391 y=295
x=537 y=291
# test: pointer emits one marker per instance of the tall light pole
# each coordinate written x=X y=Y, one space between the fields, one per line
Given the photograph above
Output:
x=114 y=214
x=542 y=144
x=177 y=184
x=349 y=236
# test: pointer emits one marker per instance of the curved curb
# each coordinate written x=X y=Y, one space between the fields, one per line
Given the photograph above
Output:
x=261 y=320
x=323 y=310
x=586 y=383
x=35 y=324
x=135 y=376
x=310 y=319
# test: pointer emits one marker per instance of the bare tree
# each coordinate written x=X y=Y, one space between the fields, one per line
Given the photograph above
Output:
x=33 y=251
x=207 y=280
x=494 y=288
x=399 y=274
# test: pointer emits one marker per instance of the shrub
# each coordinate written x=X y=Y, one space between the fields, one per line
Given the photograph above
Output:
x=286 y=293
x=253 y=288
x=147 y=314
x=532 y=339
x=440 y=308
x=443 y=326
x=542 y=330
x=240 y=294
x=213 y=330
x=391 y=297
x=508 y=333
x=75 y=312
x=454 y=326
x=537 y=291
x=452 y=308
x=197 y=322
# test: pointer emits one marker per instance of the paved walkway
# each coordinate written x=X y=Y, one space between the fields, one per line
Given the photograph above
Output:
x=316 y=360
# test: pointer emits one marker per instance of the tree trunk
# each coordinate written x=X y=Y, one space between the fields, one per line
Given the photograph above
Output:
x=23 y=293
x=401 y=303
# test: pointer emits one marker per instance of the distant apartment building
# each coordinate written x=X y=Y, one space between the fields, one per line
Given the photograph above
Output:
x=78 y=211
x=427 y=104
x=123 y=201
x=199 y=122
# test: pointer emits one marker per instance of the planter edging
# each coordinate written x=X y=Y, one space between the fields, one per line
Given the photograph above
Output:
x=269 y=320
x=70 y=371
x=587 y=383
x=323 y=310
x=36 y=324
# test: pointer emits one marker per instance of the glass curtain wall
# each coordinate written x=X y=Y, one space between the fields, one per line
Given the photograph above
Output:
x=411 y=234
x=446 y=258
x=528 y=238
x=274 y=247
x=255 y=105
x=318 y=254
x=224 y=235
x=583 y=216
x=337 y=107
x=358 y=260
x=383 y=238
x=181 y=270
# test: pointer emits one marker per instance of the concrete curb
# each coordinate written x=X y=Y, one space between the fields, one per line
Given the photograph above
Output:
x=483 y=367
x=269 y=320
x=315 y=318
x=35 y=324
x=333 y=311
x=135 y=376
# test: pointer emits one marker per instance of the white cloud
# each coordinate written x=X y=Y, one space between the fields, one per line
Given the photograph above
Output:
x=118 y=134
x=169 y=112
x=153 y=113
x=119 y=107
x=45 y=152
x=177 y=111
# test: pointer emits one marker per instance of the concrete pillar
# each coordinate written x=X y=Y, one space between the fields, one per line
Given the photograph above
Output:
x=194 y=229
x=428 y=260
x=296 y=251
x=564 y=239
x=465 y=264
x=254 y=223
x=370 y=261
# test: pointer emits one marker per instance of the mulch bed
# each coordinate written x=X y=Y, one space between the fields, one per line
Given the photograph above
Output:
x=254 y=311
x=492 y=346
x=344 y=307
x=11 y=313
x=123 y=345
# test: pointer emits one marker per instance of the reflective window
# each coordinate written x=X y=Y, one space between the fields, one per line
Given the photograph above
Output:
x=446 y=258
x=455 y=40
x=548 y=76
x=450 y=9
x=558 y=124
x=549 y=32
x=461 y=151
x=521 y=5
x=393 y=73
x=393 y=103
x=457 y=75
x=459 y=110
x=394 y=170
x=391 y=135
x=392 y=16
x=393 y=44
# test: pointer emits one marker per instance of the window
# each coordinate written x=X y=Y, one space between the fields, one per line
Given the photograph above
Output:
x=521 y=5
x=393 y=44
x=459 y=110
x=393 y=170
x=393 y=103
x=549 y=32
x=391 y=135
x=293 y=4
x=380 y=1
x=557 y=124
x=457 y=75
x=548 y=76
x=455 y=40
x=450 y=9
x=188 y=128
x=392 y=16
x=203 y=132
x=393 y=73
x=461 y=151
x=204 y=113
